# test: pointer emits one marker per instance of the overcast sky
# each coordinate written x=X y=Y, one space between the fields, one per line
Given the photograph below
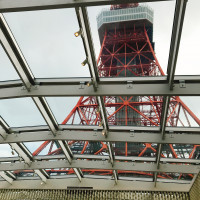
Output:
x=47 y=41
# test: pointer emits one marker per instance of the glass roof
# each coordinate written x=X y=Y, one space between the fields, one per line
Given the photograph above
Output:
x=73 y=107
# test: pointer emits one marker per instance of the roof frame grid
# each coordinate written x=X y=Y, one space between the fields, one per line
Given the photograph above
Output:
x=169 y=87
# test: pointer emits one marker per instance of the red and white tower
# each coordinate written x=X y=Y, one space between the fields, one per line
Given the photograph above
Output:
x=127 y=50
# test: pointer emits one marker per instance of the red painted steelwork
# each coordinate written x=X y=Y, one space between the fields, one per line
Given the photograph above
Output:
x=127 y=53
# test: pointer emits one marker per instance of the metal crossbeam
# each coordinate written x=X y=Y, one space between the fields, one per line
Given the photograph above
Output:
x=104 y=89
x=163 y=122
x=104 y=165
x=78 y=173
x=137 y=129
x=94 y=183
x=28 y=5
x=100 y=157
x=114 y=136
x=89 y=49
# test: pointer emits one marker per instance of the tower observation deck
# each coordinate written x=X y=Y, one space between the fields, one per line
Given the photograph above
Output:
x=139 y=16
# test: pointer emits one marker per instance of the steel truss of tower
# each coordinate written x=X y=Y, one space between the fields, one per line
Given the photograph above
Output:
x=111 y=170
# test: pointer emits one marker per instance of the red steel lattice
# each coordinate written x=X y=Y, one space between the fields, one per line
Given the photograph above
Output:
x=128 y=52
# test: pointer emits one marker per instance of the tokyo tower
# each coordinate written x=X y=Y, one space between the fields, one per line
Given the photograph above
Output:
x=127 y=50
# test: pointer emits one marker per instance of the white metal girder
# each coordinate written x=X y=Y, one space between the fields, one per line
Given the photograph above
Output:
x=104 y=89
x=82 y=17
x=96 y=184
x=78 y=173
x=6 y=177
x=42 y=174
x=66 y=150
x=106 y=157
x=46 y=112
x=28 y=5
x=175 y=39
x=22 y=151
x=95 y=128
x=114 y=136
x=163 y=122
x=104 y=165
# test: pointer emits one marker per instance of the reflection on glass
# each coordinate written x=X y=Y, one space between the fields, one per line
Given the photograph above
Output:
x=183 y=111
x=25 y=173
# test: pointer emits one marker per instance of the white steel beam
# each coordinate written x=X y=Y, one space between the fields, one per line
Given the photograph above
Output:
x=163 y=122
x=6 y=177
x=69 y=156
x=28 y=5
x=104 y=165
x=66 y=150
x=84 y=25
x=22 y=151
x=175 y=40
x=104 y=89
x=96 y=184
x=46 y=112
x=114 y=136
x=115 y=174
x=95 y=128
x=106 y=157
x=78 y=173
x=42 y=174
x=90 y=53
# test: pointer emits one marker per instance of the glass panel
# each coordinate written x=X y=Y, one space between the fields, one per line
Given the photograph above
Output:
x=135 y=174
x=184 y=111
x=39 y=148
x=188 y=57
x=62 y=106
x=88 y=147
x=181 y=151
x=69 y=172
x=124 y=47
x=134 y=110
x=97 y=172
x=6 y=151
x=75 y=110
x=7 y=70
x=30 y=174
x=134 y=149
x=47 y=42
x=175 y=176
x=21 y=112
